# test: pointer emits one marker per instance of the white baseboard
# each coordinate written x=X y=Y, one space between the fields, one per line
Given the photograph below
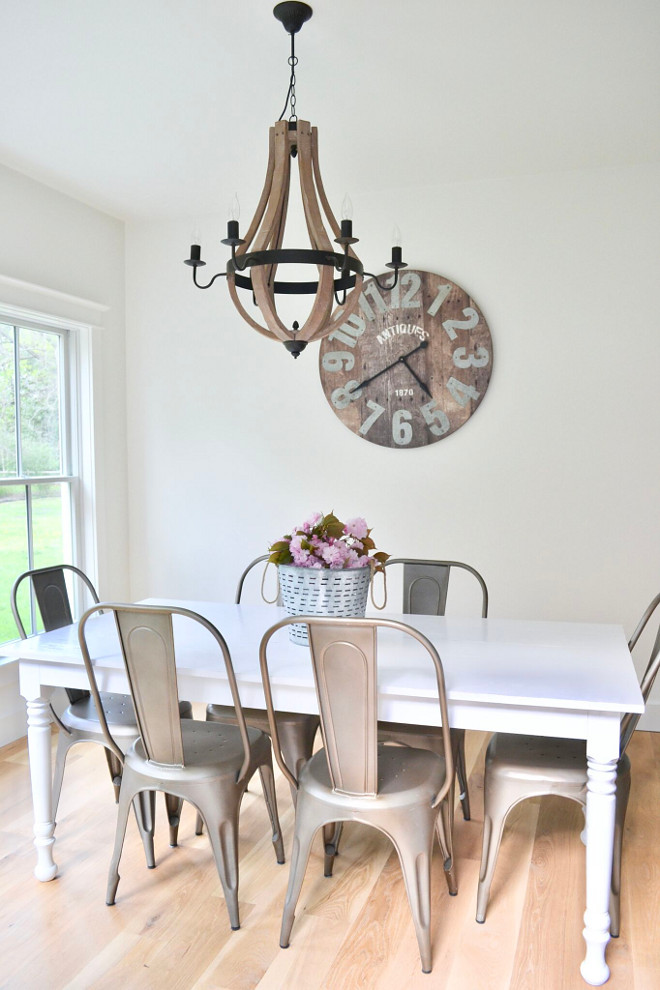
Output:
x=13 y=720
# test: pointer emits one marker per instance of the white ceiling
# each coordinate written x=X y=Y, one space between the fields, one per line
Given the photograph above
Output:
x=160 y=108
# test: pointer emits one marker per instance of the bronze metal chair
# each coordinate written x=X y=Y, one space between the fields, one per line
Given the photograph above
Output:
x=206 y=764
x=425 y=586
x=80 y=722
x=297 y=731
x=519 y=767
x=402 y=791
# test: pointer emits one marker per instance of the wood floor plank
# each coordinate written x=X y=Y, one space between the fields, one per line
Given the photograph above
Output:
x=169 y=927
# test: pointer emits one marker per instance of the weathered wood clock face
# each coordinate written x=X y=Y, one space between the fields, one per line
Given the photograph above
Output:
x=412 y=365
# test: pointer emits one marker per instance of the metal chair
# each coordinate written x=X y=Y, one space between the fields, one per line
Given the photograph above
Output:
x=297 y=731
x=206 y=764
x=80 y=722
x=519 y=767
x=402 y=791
x=425 y=585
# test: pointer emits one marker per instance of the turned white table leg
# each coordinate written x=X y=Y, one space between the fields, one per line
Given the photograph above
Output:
x=601 y=800
x=39 y=748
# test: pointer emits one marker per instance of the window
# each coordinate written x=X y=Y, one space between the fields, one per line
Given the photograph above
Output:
x=38 y=482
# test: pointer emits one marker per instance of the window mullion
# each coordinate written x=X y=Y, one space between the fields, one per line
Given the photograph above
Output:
x=17 y=402
x=30 y=550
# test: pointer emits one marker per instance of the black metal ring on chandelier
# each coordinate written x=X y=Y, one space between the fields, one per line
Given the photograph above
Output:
x=340 y=262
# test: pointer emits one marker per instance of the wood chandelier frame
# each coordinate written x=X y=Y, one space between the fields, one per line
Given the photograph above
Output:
x=260 y=253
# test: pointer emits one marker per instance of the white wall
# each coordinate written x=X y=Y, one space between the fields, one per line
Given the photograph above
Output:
x=549 y=490
x=60 y=257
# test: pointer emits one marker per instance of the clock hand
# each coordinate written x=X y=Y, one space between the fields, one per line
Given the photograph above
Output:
x=400 y=359
x=417 y=378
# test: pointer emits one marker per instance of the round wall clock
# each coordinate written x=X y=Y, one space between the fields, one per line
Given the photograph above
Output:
x=411 y=365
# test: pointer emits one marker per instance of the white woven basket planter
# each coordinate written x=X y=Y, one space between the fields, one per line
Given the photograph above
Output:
x=310 y=591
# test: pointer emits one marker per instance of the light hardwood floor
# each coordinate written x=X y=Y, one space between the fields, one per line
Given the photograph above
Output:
x=169 y=927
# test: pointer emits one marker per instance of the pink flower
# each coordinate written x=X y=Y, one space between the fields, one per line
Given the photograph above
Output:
x=356 y=527
x=310 y=523
x=334 y=554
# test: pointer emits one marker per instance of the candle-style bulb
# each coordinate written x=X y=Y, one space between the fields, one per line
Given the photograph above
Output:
x=347 y=208
x=234 y=209
x=396 y=236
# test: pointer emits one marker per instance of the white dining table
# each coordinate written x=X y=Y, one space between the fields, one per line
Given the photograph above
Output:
x=561 y=679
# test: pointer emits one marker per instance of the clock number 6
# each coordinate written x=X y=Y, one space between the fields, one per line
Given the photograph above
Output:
x=401 y=428
x=342 y=397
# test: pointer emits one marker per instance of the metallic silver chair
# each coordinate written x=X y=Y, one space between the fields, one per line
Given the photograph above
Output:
x=296 y=731
x=80 y=722
x=519 y=767
x=425 y=586
x=206 y=764
x=402 y=791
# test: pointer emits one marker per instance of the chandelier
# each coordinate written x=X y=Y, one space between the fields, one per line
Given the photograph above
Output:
x=255 y=258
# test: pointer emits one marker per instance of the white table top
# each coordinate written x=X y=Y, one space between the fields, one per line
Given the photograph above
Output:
x=509 y=662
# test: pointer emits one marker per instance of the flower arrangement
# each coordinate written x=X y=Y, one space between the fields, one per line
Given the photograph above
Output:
x=323 y=541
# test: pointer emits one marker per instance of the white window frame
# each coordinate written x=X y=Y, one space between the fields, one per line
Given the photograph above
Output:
x=77 y=429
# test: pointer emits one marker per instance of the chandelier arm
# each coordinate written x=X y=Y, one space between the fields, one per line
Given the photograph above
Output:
x=385 y=288
x=208 y=284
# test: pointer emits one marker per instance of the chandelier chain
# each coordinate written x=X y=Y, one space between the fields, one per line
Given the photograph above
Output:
x=291 y=92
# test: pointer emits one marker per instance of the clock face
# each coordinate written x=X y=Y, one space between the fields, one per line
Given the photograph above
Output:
x=411 y=365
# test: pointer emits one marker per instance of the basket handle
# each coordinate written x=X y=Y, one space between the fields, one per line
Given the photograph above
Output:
x=263 y=580
x=371 y=588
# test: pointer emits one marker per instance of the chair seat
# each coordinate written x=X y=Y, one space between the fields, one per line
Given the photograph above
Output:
x=535 y=758
x=404 y=775
x=257 y=716
x=210 y=749
x=81 y=716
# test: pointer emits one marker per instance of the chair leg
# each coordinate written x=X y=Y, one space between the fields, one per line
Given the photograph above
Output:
x=64 y=743
x=622 y=793
x=223 y=836
x=331 y=836
x=144 y=805
x=115 y=768
x=173 y=806
x=297 y=742
x=415 y=859
x=444 y=825
x=268 y=786
x=125 y=802
x=494 y=818
x=461 y=775
x=302 y=844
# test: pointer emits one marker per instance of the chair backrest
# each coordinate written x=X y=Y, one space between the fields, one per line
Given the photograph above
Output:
x=52 y=596
x=426 y=582
x=344 y=660
x=241 y=580
x=629 y=721
x=146 y=643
